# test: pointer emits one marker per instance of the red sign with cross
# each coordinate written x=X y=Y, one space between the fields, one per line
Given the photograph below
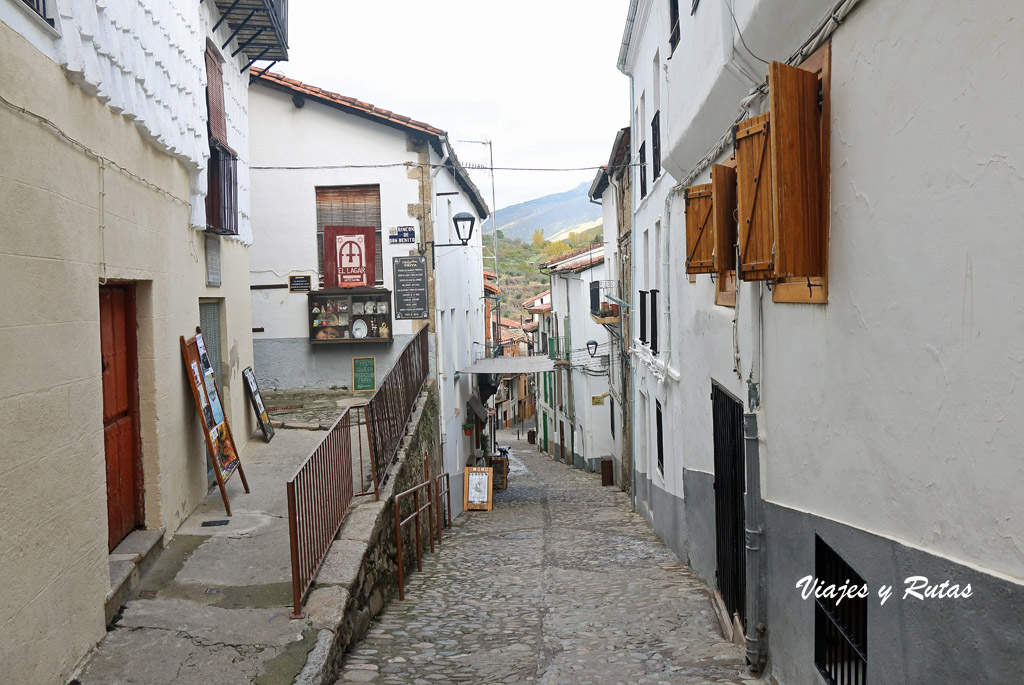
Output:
x=350 y=256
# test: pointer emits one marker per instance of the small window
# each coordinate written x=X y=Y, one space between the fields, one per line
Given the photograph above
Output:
x=349 y=206
x=643 y=317
x=40 y=8
x=611 y=416
x=661 y=443
x=654 y=320
x=642 y=169
x=673 y=20
x=655 y=146
x=782 y=163
x=840 y=629
x=222 y=168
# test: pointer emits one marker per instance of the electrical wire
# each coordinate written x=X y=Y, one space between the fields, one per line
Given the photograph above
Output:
x=476 y=167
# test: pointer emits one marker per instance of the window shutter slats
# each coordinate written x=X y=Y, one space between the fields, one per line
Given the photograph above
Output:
x=723 y=195
x=349 y=206
x=756 y=225
x=796 y=170
x=218 y=127
x=699 y=239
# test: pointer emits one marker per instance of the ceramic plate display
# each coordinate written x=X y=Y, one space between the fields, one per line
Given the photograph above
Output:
x=369 y=308
x=357 y=307
x=359 y=328
x=382 y=307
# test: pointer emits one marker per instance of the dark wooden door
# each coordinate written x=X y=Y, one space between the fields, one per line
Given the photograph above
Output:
x=729 y=510
x=120 y=411
x=561 y=439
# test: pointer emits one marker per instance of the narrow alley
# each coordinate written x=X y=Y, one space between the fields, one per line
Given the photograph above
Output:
x=559 y=583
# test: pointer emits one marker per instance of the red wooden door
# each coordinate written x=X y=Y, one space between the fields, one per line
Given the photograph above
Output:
x=120 y=411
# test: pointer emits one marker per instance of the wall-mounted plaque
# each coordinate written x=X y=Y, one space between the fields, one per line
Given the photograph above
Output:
x=300 y=284
x=478 y=488
x=364 y=374
x=410 y=287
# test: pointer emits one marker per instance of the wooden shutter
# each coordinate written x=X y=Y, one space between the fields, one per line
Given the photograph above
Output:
x=754 y=198
x=796 y=171
x=699 y=239
x=723 y=197
x=349 y=206
x=215 y=98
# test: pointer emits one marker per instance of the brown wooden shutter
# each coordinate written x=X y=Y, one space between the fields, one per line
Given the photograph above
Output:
x=215 y=98
x=699 y=232
x=349 y=206
x=723 y=195
x=754 y=198
x=796 y=171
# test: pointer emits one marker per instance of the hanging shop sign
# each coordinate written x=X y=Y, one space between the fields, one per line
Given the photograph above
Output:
x=350 y=254
x=478 y=488
x=300 y=284
x=219 y=441
x=402 y=234
x=256 y=399
x=364 y=374
x=410 y=287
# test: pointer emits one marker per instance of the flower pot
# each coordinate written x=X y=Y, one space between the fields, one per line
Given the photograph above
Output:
x=467 y=431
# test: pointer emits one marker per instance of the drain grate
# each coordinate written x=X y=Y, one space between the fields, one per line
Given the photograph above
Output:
x=519 y=536
x=147 y=593
x=211 y=524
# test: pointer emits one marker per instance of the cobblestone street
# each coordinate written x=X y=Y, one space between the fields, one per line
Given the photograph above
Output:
x=560 y=583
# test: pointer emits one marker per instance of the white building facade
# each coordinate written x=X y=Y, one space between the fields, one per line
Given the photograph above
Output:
x=111 y=114
x=839 y=401
x=325 y=159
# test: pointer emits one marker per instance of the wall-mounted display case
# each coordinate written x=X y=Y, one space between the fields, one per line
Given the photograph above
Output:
x=350 y=315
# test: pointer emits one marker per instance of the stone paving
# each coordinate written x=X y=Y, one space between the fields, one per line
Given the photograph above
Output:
x=560 y=583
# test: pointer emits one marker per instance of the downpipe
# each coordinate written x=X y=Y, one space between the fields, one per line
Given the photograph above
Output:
x=757 y=646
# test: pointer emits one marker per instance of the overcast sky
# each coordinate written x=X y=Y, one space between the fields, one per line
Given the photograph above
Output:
x=537 y=77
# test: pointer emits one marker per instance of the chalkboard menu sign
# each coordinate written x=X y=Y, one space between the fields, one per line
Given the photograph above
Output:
x=364 y=374
x=410 y=287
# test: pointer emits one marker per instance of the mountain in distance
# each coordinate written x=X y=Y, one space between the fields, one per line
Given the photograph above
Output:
x=553 y=214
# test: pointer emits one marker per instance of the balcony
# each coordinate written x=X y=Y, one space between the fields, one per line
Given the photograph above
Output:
x=259 y=26
x=602 y=309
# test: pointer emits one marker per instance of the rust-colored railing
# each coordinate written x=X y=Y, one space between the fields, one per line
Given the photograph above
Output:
x=319 y=496
x=414 y=516
x=391 y=405
x=444 y=503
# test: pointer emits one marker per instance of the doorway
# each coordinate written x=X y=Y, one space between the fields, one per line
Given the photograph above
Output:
x=561 y=440
x=121 y=440
x=729 y=511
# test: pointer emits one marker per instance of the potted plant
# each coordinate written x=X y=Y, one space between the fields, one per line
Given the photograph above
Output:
x=468 y=427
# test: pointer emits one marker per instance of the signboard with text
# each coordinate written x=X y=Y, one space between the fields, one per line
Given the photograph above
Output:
x=350 y=254
x=410 y=287
x=402 y=234
x=364 y=374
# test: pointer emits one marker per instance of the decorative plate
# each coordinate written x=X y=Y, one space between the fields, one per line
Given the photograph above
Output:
x=382 y=307
x=357 y=307
x=359 y=329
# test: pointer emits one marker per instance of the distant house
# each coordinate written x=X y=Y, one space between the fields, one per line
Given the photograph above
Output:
x=324 y=162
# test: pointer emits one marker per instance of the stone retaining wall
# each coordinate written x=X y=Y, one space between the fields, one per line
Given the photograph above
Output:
x=360 y=575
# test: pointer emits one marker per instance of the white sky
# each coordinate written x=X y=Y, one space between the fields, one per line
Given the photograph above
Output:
x=537 y=77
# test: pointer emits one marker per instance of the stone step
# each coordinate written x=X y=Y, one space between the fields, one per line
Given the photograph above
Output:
x=128 y=562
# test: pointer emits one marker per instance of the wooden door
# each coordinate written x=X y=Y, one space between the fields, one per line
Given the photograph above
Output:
x=120 y=411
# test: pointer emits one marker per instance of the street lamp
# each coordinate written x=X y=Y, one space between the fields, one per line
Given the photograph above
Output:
x=592 y=347
x=464 y=222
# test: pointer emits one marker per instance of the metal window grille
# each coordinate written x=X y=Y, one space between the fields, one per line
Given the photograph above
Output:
x=39 y=7
x=840 y=628
x=730 y=513
x=654 y=321
x=656 y=146
x=661 y=442
x=643 y=316
x=209 y=321
x=222 y=191
x=642 y=168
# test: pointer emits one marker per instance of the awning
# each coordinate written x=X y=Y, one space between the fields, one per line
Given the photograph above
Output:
x=500 y=365
x=478 y=407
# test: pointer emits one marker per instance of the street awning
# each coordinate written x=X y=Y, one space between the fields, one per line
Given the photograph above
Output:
x=502 y=365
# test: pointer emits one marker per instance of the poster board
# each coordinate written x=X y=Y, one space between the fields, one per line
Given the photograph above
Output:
x=364 y=374
x=350 y=256
x=256 y=399
x=500 y=466
x=478 y=490
x=219 y=441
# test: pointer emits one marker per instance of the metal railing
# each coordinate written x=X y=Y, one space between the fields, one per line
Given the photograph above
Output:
x=414 y=516
x=319 y=495
x=391 y=405
x=444 y=503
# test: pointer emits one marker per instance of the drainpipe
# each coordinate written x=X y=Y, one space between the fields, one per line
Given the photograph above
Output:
x=757 y=648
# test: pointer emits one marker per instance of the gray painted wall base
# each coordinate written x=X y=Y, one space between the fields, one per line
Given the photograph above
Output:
x=977 y=639
x=295 y=363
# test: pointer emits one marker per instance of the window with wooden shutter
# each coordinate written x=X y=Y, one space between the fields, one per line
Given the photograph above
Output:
x=782 y=183
x=349 y=206
x=217 y=119
x=700 y=240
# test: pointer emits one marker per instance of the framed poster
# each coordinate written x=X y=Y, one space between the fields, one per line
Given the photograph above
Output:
x=262 y=417
x=364 y=374
x=410 y=287
x=216 y=432
x=478 y=488
x=350 y=254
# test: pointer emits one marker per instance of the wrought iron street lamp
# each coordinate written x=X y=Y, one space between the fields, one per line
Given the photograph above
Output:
x=464 y=222
x=592 y=347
